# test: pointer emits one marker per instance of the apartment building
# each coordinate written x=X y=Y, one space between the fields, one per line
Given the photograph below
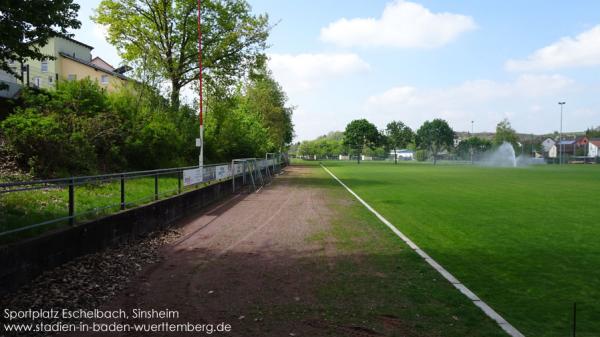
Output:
x=72 y=60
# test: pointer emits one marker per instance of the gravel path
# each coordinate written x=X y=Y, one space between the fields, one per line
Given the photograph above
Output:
x=240 y=263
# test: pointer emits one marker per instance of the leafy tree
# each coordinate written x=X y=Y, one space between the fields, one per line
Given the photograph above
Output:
x=326 y=146
x=359 y=134
x=161 y=36
x=435 y=136
x=505 y=133
x=593 y=132
x=398 y=135
x=266 y=98
x=472 y=147
x=26 y=26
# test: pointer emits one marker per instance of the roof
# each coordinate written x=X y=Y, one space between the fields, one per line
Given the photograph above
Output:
x=595 y=142
x=566 y=142
x=90 y=64
x=99 y=62
x=75 y=41
x=123 y=69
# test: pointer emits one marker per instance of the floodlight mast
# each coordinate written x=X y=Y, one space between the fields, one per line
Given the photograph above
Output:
x=201 y=157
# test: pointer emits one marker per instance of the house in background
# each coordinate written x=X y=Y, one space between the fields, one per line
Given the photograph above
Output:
x=72 y=61
x=547 y=144
x=570 y=148
x=593 y=147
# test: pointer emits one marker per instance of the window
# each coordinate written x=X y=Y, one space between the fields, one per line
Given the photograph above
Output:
x=37 y=81
x=72 y=77
x=50 y=79
x=104 y=79
x=45 y=66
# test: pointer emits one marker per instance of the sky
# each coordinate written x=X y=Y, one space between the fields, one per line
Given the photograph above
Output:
x=412 y=61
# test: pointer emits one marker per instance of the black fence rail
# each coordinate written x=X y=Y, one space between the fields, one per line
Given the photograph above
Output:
x=32 y=205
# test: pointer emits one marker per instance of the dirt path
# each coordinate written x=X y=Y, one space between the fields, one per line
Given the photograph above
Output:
x=240 y=263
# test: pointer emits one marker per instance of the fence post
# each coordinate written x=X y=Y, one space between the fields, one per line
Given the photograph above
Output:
x=156 y=186
x=179 y=174
x=72 y=202
x=122 y=192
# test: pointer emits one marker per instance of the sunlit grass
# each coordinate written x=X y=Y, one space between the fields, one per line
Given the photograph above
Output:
x=524 y=239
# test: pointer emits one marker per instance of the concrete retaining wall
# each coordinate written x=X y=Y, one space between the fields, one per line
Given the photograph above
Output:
x=22 y=261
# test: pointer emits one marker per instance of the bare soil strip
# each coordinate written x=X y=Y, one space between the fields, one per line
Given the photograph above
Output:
x=239 y=263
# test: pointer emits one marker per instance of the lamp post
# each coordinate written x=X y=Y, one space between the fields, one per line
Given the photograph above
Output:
x=201 y=142
x=472 y=162
x=560 y=143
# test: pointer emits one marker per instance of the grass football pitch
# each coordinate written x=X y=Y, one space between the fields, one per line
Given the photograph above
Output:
x=525 y=240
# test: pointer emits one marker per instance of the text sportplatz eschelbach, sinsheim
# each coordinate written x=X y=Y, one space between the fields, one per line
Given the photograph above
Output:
x=55 y=314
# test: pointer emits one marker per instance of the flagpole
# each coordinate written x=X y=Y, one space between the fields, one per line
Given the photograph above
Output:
x=201 y=158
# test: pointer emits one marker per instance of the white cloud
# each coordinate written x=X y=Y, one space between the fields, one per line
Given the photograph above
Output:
x=484 y=101
x=402 y=24
x=582 y=50
x=302 y=72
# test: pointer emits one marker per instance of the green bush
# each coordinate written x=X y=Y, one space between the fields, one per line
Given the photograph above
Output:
x=81 y=129
x=421 y=155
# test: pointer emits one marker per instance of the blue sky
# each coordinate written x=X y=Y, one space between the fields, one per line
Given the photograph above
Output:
x=418 y=60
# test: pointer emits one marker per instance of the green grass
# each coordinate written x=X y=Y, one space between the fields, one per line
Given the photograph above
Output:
x=525 y=240
x=25 y=208
x=373 y=274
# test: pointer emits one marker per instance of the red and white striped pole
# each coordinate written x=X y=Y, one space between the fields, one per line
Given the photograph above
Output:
x=201 y=159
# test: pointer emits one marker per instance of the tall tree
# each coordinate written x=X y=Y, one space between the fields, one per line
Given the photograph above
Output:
x=162 y=36
x=398 y=135
x=505 y=133
x=435 y=136
x=266 y=98
x=359 y=134
x=472 y=147
x=26 y=26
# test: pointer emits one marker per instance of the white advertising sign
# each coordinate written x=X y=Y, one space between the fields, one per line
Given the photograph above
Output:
x=239 y=168
x=222 y=172
x=192 y=177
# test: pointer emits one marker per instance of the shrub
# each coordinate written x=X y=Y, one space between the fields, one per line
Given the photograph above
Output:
x=421 y=155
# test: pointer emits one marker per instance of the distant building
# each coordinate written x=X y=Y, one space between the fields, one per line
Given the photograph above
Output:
x=72 y=61
x=593 y=147
x=403 y=154
x=570 y=147
x=547 y=144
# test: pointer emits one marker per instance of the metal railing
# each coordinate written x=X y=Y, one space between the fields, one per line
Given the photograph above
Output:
x=117 y=183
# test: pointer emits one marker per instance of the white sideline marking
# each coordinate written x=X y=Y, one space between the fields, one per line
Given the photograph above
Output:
x=511 y=330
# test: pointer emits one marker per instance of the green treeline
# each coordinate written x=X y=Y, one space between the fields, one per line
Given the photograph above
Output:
x=80 y=129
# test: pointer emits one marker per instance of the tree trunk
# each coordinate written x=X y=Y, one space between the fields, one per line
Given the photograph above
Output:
x=395 y=157
x=434 y=158
x=175 y=89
